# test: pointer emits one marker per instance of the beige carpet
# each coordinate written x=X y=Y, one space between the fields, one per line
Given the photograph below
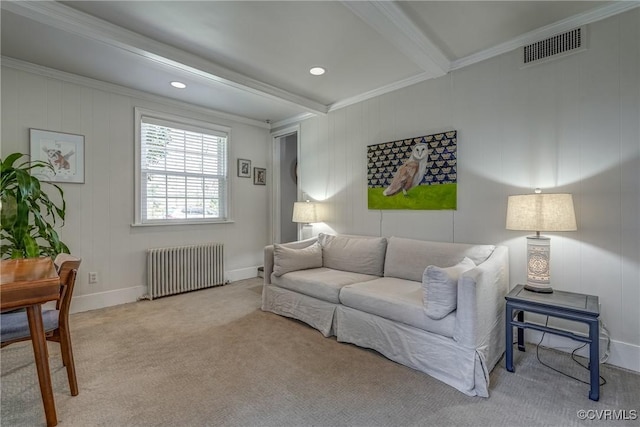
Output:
x=212 y=358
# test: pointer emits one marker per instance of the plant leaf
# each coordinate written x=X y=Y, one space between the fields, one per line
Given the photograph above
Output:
x=9 y=212
x=29 y=215
x=31 y=247
x=10 y=160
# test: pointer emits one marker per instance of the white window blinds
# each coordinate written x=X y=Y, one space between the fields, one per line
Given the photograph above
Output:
x=183 y=172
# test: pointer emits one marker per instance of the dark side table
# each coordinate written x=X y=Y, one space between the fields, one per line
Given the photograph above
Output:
x=563 y=305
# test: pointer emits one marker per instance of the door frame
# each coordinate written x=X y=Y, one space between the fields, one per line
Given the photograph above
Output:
x=275 y=178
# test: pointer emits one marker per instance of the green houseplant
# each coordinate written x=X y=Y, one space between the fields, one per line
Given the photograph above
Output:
x=28 y=215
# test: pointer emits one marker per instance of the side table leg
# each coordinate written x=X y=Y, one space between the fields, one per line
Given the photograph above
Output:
x=594 y=359
x=521 y=331
x=508 y=338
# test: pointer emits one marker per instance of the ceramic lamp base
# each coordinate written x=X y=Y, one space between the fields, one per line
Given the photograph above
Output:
x=306 y=231
x=538 y=264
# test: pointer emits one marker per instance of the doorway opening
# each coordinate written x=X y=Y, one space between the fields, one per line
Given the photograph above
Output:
x=285 y=188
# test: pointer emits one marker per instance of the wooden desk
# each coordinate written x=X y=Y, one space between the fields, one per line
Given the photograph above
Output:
x=29 y=283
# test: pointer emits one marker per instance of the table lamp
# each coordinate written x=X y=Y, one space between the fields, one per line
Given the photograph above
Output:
x=540 y=212
x=305 y=213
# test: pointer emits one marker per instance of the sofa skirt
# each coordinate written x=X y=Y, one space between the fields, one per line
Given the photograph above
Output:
x=440 y=357
x=312 y=311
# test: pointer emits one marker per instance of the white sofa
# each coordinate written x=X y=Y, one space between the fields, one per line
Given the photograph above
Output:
x=432 y=306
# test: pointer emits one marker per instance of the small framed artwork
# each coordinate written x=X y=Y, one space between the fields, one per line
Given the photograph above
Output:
x=63 y=151
x=244 y=168
x=259 y=176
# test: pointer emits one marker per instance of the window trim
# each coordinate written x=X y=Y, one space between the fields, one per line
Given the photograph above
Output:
x=178 y=121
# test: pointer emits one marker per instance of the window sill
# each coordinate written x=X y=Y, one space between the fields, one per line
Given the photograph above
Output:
x=172 y=223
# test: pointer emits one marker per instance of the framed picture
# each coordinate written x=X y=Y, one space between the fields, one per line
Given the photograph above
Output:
x=63 y=151
x=259 y=176
x=244 y=168
x=418 y=173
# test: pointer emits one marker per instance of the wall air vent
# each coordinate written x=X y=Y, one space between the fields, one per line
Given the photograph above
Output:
x=567 y=43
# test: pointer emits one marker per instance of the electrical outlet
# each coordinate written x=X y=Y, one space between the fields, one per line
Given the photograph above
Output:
x=93 y=277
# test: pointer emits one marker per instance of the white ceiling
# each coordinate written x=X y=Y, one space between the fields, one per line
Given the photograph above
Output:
x=252 y=59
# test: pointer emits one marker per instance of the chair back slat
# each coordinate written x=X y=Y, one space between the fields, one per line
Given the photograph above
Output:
x=65 y=264
x=64 y=303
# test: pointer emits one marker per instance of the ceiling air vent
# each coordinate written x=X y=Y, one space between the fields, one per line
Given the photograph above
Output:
x=560 y=45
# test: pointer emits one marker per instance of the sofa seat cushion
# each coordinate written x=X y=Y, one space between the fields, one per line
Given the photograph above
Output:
x=322 y=283
x=398 y=300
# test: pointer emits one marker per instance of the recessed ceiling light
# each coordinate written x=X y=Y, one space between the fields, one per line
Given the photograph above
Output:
x=178 y=85
x=317 y=71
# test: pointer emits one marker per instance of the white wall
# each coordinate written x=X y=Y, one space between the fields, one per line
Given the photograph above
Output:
x=571 y=125
x=100 y=211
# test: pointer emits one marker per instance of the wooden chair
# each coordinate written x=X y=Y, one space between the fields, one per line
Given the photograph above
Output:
x=14 y=326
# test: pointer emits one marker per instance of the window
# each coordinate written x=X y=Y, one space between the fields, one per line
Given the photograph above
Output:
x=182 y=170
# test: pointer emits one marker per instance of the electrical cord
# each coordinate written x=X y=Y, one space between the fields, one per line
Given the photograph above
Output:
x=573 y=353
x=607 y=350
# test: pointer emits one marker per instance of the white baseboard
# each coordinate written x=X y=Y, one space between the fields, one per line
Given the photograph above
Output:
x=106 y=299
x=122 y=296
x=622 y=354
x=242 y=273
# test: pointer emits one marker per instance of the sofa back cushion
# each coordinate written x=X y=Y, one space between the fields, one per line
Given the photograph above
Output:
x=408 y=258
x=287 y=259
x=358 y=254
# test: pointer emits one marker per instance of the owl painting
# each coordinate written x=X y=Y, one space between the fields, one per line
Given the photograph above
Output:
x=411 y=172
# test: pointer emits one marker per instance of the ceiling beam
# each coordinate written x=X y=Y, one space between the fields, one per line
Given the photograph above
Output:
x=40 y=70
x=388 y=19
x=70 y=20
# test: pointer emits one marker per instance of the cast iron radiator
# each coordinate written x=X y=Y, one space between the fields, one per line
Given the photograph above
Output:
x=184 y=268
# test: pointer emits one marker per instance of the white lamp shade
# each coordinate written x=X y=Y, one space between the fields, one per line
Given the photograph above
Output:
x=541 y=212
x=305 y=212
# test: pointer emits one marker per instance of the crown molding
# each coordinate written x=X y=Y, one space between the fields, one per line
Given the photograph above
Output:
x=588 y=17
x=70 y=20
x=547 y=31
x=393 y=24
x=121 y=90
x=292 y=120
x=381 y=91
x=384 y=16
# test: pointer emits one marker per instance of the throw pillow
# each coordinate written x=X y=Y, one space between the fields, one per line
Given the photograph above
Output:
x=287 y=259
x=440 y=288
